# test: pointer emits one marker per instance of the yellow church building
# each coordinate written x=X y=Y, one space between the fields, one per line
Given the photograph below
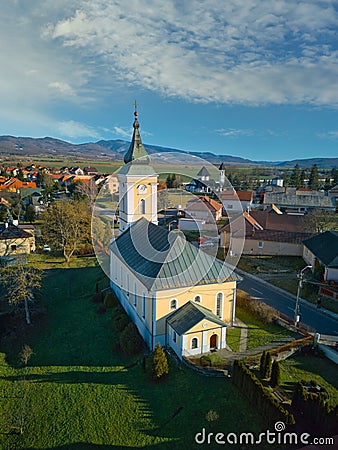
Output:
x=176 y=294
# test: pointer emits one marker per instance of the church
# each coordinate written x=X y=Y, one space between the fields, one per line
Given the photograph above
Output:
x=175 y=293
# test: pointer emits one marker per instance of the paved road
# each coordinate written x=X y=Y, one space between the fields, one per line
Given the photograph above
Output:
x=321 y=323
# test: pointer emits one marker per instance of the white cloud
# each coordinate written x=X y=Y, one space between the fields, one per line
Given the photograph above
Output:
x=239 y=51
x=126 y=132
x=123 y=132
x=329 y=135
x=240 y=132
x=73 y=129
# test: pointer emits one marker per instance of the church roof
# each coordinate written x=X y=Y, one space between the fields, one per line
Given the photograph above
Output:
x=203 y=172
x=136 y=153
x=165 y=260
x=189 y=315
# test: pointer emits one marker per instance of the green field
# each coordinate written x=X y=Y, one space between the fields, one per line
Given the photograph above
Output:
x=78 y=392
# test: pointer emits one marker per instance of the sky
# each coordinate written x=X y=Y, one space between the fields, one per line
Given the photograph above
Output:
x=249 y=78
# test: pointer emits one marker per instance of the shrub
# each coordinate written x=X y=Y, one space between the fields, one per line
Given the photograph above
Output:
x=160 y=367
x=97 y=297
x=211 y=416
x=205 y=361
x=256 y=307
x=131 y=342
x=110 y=300
x=119 y=320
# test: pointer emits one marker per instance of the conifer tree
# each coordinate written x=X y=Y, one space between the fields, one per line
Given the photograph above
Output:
x=295 y=177
x=275 y=374
x=262 y=363
x=313 y=179
x=160 y=363
x=268 y=365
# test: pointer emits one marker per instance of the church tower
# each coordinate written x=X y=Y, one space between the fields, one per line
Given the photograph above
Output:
x=137 y=183
x=221 y=175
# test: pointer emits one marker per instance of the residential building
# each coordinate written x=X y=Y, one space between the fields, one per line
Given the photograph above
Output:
x=322 y=250
x=266 y=233
x=299 y=201
x=15 y=240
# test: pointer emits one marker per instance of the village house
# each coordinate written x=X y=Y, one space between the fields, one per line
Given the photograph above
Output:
x=15 y=240
x=322 y=251
x=300 y=201
x=204 y=208
x=266 y=233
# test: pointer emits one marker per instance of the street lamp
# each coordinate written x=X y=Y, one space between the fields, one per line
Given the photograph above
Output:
x=300 y=284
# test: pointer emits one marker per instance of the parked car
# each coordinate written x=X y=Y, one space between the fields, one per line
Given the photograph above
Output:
x=46 y=248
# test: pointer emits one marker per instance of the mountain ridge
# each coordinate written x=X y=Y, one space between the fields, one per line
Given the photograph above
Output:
x=107 y=149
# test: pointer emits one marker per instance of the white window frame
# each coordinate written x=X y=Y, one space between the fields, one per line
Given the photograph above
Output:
x=127 y=284
x=143 y=306
x=135 y=294
x=170 y=304
x=197 y=343
x=260 y=244
x=221 y=304
x=142 y=206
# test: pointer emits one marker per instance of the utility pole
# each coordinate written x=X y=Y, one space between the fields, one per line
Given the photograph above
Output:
x=300 y=284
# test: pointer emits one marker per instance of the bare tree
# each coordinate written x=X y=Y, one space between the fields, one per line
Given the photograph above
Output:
x=25 y=354
x=66 y=226
x=319 y=220
x=88 y=191
x=20 y=282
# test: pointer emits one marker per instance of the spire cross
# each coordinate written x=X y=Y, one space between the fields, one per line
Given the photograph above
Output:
x=135 y=106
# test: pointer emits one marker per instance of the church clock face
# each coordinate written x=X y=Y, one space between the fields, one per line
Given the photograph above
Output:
x=142 y=189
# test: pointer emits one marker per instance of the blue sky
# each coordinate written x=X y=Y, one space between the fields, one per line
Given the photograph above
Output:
x=256 y=79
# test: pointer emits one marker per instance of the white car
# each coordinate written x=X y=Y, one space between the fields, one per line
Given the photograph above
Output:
x=46 y=248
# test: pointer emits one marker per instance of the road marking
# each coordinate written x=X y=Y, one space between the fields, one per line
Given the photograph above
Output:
x=256 y=290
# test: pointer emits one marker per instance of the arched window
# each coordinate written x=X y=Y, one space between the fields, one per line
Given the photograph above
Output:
x=174 y=336
x=127 y=284
x=219 y=304
x=142 y=206
x=143 y=305
x=135 y=294
x=173 y=303
x=197 y=299
x=194 y=343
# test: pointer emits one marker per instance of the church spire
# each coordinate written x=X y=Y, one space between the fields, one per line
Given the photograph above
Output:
x=136 y=153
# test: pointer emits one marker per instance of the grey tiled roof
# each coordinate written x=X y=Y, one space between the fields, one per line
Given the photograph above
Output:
x=163 y=260
x=189 y=315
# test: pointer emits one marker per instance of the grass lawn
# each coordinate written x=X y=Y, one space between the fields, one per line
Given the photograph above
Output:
x=260 y=333
x=233 y=338
x=79 y=392
x=307 y=368
x=261 y=264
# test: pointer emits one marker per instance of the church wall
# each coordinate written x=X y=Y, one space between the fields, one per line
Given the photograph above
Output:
x=207 y=293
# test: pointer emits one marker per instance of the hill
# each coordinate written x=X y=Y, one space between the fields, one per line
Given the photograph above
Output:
x=48 y=147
